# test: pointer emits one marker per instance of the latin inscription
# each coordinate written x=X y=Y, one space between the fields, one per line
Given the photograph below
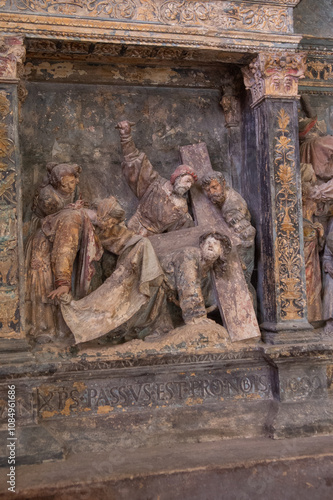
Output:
x=105 y=397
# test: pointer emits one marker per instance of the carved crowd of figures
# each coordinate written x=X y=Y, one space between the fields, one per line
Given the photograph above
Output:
x=67 y=236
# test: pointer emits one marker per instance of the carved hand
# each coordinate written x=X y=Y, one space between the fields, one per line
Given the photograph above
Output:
x=61 y=290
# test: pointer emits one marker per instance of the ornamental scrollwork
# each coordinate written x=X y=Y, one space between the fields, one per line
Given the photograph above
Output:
x=289 y=261
x=319 y=70
x=189 y=13
x=226 y=15
x=114 y=9
x=274 y=75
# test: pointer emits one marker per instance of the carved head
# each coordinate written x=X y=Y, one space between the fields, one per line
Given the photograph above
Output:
x=214 y=248
x=64 y=176
x=109 y=212
x=214 y=185
x=183 y=179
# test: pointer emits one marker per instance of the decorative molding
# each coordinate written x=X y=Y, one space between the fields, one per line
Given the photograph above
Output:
x=274 y=75
x=319 y=70
x=12 y=53
x=288 y=263
x=275 y=17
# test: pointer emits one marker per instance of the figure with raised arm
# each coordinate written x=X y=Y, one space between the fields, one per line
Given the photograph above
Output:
x=162 y=203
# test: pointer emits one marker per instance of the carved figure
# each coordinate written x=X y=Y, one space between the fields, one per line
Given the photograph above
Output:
x=135 y=296
x=236 y=214
x=313 y=244
x=130 y=298
x=60 y=228
x=162 y=206
x=187 y=275
x=316 y=147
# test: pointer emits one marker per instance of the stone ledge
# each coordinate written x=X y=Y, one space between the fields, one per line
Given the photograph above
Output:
x=254 y=468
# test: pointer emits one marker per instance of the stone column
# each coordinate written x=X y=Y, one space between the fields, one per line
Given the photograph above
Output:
x=11 y=252
x=273 y=81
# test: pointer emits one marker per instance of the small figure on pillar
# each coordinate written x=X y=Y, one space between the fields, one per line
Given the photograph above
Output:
x=236 y=214
x=313 y=244
x=163 y=205
x=60 y=230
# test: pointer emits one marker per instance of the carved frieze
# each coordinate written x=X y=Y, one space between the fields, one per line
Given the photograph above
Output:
x=267 y=16
x=288 y=263
x=274 y=75
x=319 y=70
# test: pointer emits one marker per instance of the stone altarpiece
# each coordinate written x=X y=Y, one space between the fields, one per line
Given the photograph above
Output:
x=225 y=73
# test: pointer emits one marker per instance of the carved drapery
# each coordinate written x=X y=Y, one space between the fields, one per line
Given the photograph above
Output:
x=11 y=55
x=274 y=75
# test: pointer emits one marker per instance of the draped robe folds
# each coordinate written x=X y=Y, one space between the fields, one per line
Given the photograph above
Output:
x=318 y=151
x=312 y=247
x=135 y=281
x=58 y=233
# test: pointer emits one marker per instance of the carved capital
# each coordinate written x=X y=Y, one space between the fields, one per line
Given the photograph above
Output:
x=274 y=75
x=12 y=53
x=231 y=108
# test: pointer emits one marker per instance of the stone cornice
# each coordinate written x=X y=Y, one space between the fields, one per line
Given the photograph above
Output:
x=146 y=34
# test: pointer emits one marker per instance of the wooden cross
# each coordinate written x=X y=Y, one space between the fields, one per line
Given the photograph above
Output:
x=232 y=294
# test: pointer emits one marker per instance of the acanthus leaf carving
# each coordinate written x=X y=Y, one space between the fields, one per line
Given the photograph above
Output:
x=274 y=75
x=288 y=262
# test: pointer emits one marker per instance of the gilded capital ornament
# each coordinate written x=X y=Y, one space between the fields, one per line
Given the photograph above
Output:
x=12 y=53
x=274 y=75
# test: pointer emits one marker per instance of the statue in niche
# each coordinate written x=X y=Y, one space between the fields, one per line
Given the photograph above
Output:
x=316 y=147
x=236 y=214
x=133 y=302
x=313 y=244
x=60 y=231
x=162 y=204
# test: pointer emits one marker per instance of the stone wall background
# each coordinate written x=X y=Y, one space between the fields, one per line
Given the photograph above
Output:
x=67 y=121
